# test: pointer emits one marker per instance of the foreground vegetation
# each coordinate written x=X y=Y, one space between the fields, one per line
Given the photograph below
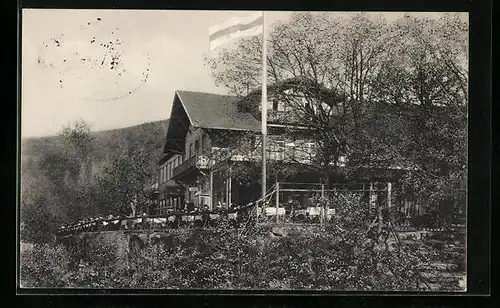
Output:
x=299 y=261
x=347 y=255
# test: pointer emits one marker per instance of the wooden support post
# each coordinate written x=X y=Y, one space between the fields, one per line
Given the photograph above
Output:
x=230 y=188
x=257 y=212
x=227 y=191
x=389 y=196
x=211 y=202
x=370 y=193
x=379 y=214
x=389 y=202
x=199 y=189
x=277 y=198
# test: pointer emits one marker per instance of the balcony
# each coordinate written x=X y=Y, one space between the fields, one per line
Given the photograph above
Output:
x=282 y=117
x=197 y=162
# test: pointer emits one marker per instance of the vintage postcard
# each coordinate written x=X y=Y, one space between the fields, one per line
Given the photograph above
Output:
x=244 y=150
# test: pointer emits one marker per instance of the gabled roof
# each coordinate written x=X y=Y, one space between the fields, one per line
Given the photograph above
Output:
x=299 y=84
x=206 y=110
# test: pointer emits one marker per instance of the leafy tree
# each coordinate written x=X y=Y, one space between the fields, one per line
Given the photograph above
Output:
x=37 y=221
x=425 y=84
x=383 y=95
x=57 y=187
x=122 y=185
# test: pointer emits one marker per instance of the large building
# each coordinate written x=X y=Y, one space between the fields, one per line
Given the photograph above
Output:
x=208 y=137
x=213 y=139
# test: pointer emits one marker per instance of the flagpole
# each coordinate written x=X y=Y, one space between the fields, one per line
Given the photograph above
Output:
x=264 y=105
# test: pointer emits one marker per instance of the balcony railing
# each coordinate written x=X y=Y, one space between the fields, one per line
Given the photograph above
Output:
x=197 y=161
x=280 y=151
x=282 y=117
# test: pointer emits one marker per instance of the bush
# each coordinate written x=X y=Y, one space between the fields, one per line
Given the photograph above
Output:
x=347 y=254
x=44 y=266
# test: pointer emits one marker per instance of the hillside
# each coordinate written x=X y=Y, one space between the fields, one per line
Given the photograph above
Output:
x=107 y=140
x=149 y=136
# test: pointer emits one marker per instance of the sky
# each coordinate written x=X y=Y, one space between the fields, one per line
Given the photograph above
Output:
x=113 y=68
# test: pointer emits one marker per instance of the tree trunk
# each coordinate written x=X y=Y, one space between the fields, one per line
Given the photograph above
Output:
x=379 y=214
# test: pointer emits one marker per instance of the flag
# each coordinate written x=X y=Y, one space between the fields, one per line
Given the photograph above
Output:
x=235 y=28
x=254 y=24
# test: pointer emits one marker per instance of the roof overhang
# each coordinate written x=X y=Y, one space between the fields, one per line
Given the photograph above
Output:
x=178 y=127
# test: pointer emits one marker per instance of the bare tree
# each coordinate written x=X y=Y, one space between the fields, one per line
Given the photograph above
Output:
x=321 y=68
x=381 y=94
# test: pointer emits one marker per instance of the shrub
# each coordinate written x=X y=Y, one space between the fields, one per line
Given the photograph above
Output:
x=44 y=266
x=347 y=254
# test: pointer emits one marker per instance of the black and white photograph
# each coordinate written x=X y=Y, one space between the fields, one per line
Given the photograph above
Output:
x=244 y=150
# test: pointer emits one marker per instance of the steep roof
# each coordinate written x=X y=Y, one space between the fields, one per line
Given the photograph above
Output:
x=204 y=110
x=216 y=111
x=300 y=84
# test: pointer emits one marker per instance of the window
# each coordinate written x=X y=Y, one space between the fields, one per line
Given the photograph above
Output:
x=204 y=144
x=277 y=149
x=302 y=150
x=289 y=150
x=309 y=149
x=269 y=106
x=190 y=152
x=310 y=146
x=196 y=146
x=275 y=105
x=280 y=149
x=281 y=106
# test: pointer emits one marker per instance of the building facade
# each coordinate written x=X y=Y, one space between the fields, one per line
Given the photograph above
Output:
x=213 y=139
x=210 y=139
x=170 y=193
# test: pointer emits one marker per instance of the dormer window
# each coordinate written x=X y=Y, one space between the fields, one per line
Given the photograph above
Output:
x=278 y=106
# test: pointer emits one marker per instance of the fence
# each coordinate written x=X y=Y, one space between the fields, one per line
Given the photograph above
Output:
x=196 y=219
x=285 y=202
x=301 y=202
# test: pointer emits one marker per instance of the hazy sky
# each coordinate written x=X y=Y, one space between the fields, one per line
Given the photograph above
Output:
x=157 y=52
